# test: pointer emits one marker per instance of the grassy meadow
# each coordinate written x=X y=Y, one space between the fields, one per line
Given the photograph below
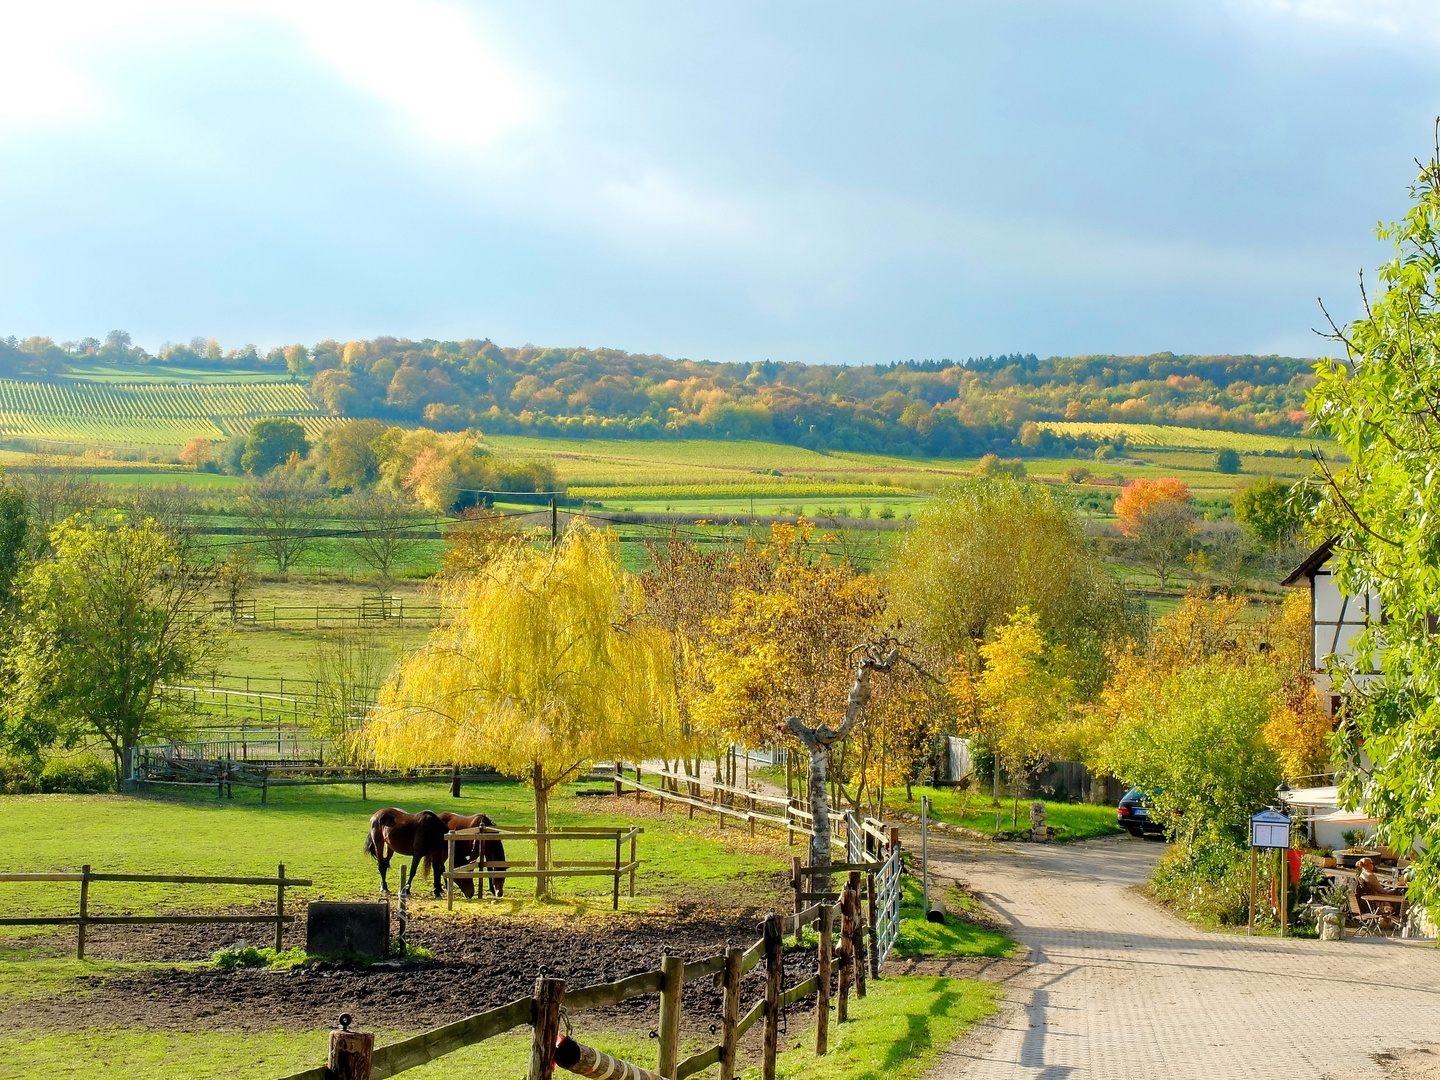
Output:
x=898 y=1030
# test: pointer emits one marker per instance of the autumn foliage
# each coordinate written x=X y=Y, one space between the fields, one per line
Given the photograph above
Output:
x=1143 y=496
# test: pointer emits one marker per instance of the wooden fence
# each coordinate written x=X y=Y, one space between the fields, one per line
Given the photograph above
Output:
x=280 y=883
x=481 y=868
x=542 y=1010
x=727 y=801
x=160 y=767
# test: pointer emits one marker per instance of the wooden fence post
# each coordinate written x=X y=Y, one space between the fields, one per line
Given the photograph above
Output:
x=454 y=781
x=84 y=911
x=364 y=790
x=264 y=784
x=279 y=918
x=634 y=840
x=619 y=772
x=797 y=882
x=774 y=958
x=449 y=881
x=858 y=923
x=615 y=896
x=549 y=995
x=672 y=983
x=637 y=781
x=847 y=954
x=730 y=1011
x=822 y=994
x=350 y=1052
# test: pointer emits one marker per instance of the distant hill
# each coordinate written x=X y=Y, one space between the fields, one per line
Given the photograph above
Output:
x=933 y=408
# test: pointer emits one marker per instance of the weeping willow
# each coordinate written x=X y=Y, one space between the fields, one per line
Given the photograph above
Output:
x=540 y=666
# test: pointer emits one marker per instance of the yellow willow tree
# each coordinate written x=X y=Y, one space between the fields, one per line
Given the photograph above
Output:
x=541 y=666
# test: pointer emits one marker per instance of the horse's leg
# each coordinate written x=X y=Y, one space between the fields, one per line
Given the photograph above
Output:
x=414 y=866
x=382 y=857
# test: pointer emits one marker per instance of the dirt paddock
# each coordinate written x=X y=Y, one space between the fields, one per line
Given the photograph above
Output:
x=481 y=961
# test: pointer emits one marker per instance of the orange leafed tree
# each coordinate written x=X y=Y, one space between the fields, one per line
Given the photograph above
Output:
x=1143 y=496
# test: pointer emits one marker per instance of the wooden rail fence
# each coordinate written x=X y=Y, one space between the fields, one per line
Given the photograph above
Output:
x=280 y=883
x=483 y=869
x=155 y=766
x=727 y=801
x=542 y=1010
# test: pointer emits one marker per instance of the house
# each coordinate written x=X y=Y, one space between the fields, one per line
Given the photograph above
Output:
x=1336 y=620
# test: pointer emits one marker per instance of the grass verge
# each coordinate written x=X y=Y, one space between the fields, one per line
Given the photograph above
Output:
x=899 y=1030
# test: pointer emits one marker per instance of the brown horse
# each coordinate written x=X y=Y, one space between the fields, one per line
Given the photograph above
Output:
x=467 y=851
x=394 y=832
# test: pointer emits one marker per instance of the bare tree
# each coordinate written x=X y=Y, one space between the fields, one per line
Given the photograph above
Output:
x=54 y=489
x=1162 y=536
x=283 y=512
x=384 y=533
x=348 y=668
x=874 y=656
x=235 y=576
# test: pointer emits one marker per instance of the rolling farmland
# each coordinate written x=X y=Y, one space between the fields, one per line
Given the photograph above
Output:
x=148 y=415
x=1180 y=438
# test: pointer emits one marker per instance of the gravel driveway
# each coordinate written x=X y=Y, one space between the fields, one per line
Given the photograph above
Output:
x=1119 y=988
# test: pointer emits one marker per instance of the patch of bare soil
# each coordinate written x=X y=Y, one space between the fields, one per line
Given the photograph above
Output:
x=1409 y=1063
x=481 y=961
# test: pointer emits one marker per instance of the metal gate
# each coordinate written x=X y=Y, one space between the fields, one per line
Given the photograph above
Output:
x=887 y=907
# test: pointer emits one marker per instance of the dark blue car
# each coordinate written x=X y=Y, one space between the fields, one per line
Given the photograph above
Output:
x=1134 y=814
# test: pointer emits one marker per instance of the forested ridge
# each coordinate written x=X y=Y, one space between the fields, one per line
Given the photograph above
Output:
x=930 y=407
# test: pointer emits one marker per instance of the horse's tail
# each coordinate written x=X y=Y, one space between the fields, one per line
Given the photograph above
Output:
x=370 y=844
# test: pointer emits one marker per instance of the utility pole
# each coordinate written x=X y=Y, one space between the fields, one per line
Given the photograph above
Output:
x=554 y=522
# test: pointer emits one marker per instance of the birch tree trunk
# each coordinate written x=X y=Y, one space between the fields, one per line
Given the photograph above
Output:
x=817 y=742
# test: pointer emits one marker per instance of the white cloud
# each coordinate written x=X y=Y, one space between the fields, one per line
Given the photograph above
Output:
x=38 y=85
x=422 y=58
x=1403 y=19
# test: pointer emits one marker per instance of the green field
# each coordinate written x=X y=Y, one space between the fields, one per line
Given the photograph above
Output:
x=133 y=373
x=1158 y=435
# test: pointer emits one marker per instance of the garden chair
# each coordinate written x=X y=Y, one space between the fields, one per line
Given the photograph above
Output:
x=1367 y=921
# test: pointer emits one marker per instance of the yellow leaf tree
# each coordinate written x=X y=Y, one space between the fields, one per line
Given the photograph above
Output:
x=1021 y=701
x=541 y=666
x=793 y=656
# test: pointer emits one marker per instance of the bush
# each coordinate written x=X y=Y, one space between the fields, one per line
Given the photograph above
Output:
x=85 y=775
x=249 y=956
x=1209 y=881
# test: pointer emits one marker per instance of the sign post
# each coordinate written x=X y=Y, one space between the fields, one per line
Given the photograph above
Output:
x=1270 y=831
x=925 y=851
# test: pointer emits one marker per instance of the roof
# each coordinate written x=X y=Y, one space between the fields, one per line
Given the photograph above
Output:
x=1314 y=796
x=1313 y=562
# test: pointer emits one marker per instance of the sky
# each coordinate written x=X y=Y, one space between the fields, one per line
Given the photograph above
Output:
x=823 y=182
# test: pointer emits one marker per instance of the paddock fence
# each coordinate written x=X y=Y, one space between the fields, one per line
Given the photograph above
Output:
x=84 y=919
x=481 y=870
x=176 y=766
x=725 y=801
x=542 y=1011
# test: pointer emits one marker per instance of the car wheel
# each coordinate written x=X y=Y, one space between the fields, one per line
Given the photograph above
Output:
x=1138 y=834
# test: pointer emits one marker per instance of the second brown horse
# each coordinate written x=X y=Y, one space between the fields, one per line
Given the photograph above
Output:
x=468 y=851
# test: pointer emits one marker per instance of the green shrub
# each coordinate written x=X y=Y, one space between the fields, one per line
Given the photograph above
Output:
x=83 y=775
x=249 y=956
x=1208 y=881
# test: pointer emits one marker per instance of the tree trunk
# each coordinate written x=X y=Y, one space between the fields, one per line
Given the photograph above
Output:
x=820 y=808
x=542 y=826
